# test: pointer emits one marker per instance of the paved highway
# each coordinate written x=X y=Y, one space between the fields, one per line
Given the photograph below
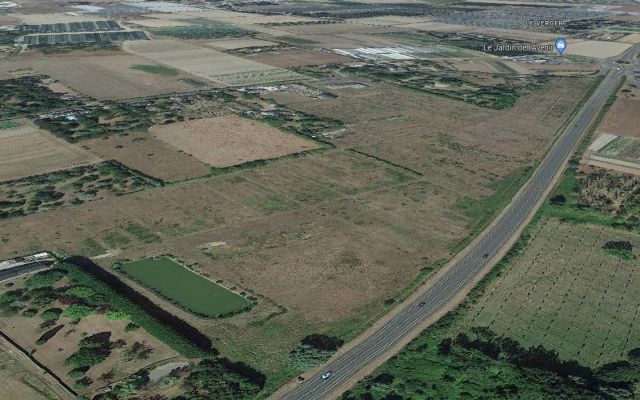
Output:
x=460 y=275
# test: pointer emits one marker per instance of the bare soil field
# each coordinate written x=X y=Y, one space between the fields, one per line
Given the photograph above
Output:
x=26 y=331
x=27 y=150
x=567 y=294
x=109 y=76
x=632 y=38
x=148 y=155
x=596 y=49
x=298 y=58
x=622 y=117
x=230 y=140
x=207 y=63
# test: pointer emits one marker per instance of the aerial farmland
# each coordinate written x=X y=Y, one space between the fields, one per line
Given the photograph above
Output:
x=232 y=192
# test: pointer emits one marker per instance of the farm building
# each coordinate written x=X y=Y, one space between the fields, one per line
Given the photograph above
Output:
x=25 y=265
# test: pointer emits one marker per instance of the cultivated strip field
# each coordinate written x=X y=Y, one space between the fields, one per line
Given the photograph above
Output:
x=207 y=63
x=230 y=140
x=26 y=150
x=567 y=294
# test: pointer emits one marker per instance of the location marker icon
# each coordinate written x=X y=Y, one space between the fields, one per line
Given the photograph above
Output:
x=561 y=44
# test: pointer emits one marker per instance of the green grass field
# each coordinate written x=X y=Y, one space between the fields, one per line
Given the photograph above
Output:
x=156 y=69
x=184 y=287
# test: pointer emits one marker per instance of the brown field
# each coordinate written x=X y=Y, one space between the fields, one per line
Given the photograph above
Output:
x=105 y=75
x=25 y=332
x=311 y=220
x=207 y=63
x=622 y=118
x=597 y=49
x=298 y=58
x=148 y=155
x=230 y=140
x=231 y=44
x=630 y=38
x=22 y=381
x=466 y=154
x=27 y=150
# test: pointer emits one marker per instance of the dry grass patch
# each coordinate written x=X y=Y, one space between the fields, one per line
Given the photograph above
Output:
x=230 y=140
x=26 y=150
x=110 y=76
x=148 y=155
x=232 y=44
x=597 y=49
x=207 y=63
x=622 y=117
x=298 y=58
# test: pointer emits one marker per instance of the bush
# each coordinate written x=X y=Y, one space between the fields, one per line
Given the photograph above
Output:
x=76 y=312
x=44 y=278
x=7 y=298
x=82 y=292
x=77 y=373
x=131 y=327
x=29 y=313
x=93 y=350
x=222 y=379
x=51 y=314
x=115 y=315
x=623 y=249
x=322 y=342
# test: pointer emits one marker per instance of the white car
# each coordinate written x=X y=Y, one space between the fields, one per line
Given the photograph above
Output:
x=326 y=375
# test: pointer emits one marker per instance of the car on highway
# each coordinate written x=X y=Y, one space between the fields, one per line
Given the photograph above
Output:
x=422 y=303
x=326 y=375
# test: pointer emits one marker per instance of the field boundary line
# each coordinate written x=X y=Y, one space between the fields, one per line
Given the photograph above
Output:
x=46 y=371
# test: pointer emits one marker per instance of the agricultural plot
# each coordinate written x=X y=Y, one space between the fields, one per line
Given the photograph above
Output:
x=288 y=58
x=400 y=53
x=108 y=76
x=25 y=150
x=597 y=49
x=497 y=92
x=179 y=285
x=83 y=26
x=19 y=383
x=622 y=117
x=471 y=154
x=233 y=44
x=210 y=64
x=566 y=293
x=62 y=39
x=230 y=140
x=200 y=28
x=147 y=154
x=71 y=186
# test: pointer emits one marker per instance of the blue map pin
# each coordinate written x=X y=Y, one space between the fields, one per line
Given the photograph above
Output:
x=561 y=45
